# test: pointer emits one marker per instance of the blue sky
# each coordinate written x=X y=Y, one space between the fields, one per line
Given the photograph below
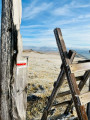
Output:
x=0 y=14
x=40 y=17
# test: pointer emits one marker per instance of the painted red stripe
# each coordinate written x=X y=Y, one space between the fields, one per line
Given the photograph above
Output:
x=20 y=64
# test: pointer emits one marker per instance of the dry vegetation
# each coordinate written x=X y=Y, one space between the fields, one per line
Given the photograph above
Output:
x=43 y=70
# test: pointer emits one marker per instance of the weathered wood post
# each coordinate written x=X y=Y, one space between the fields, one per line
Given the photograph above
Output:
x=6 y=52
x=12 y=77
x=88 y=105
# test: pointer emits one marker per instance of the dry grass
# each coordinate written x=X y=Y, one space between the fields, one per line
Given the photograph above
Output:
x=43 y=70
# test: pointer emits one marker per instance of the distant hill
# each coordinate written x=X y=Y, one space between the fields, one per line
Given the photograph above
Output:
x=81 y=52
x=41 y=49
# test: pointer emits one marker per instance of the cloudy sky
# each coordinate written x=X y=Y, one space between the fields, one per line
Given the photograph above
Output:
x=0 y=14
x=40 y=17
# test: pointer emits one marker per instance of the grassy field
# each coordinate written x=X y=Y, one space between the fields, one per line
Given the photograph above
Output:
x=43 y=70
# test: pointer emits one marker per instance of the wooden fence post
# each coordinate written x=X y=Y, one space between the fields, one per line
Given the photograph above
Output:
x=6 y=58
x=12 y=85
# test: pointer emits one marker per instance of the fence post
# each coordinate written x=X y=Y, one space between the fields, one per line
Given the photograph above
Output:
x=12 y=85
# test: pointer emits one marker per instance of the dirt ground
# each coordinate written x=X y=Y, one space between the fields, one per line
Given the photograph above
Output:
x=43 y=70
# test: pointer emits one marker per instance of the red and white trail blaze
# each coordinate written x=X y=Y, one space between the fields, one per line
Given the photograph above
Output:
x=21 y=64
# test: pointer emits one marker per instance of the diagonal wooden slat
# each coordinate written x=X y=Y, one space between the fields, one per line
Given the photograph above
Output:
x=62 y=103
x=70 y=77
x=81 y=85
x=88 y=105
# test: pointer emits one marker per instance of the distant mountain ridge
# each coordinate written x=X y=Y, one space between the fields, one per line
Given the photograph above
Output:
x=41 y=49
x=83 y=52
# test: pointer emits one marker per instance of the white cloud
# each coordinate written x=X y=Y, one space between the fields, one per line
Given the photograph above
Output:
x=74 y=37
x=77 y=37
x=37 y=33
x=62 y=11
x=77 y=4
x=33 y=10
x=32 y=26
x=84 y=16
x=77 y=28
x=66 y=10
x=52 y=24
x=82 y=6
x=48 y=42
x=0 y=23
x=79 y=19
x=73 y=46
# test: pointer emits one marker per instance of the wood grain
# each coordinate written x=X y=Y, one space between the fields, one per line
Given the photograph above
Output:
x=85 y=98
x=80 y=67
